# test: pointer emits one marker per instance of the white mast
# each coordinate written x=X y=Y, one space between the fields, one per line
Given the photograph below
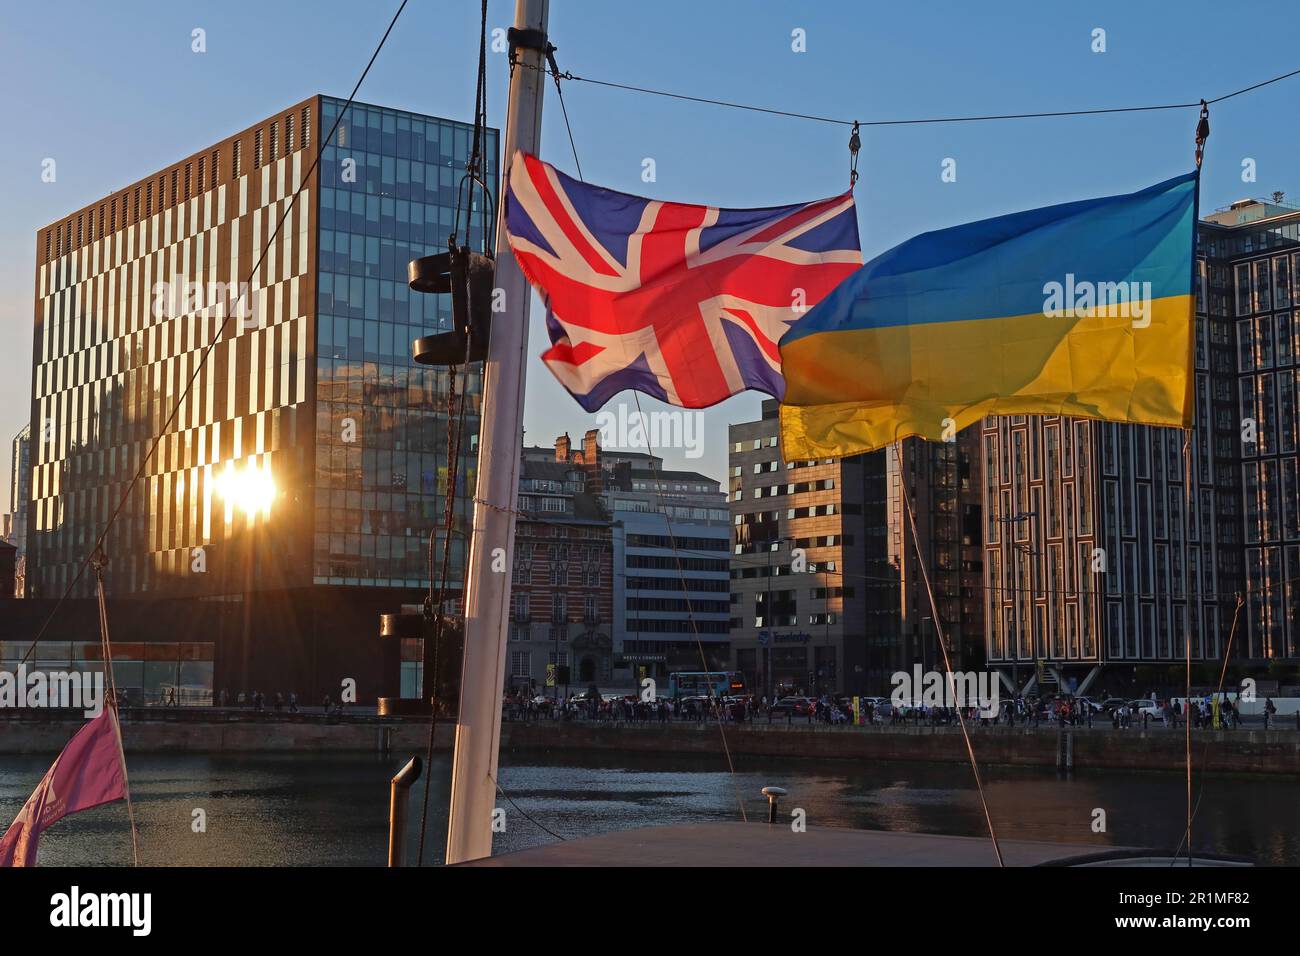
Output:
x=487 y=592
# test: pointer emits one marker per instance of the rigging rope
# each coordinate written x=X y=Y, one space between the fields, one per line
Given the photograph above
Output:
x=99 y=561
x=943 y=646
x=748 y=107
x=1205 y=748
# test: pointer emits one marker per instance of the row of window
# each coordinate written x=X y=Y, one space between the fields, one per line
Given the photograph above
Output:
x=196 y=177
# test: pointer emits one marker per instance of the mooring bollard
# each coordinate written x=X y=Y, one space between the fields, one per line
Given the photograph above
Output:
x=773 y=794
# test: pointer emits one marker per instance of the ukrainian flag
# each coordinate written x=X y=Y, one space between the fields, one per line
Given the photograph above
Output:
x=1083 y=309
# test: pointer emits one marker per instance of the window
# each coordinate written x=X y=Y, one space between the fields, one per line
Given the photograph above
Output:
x=257 y=149
x=1243 y=289
x=1262 y=288
x=306 y=126
x=521 y=663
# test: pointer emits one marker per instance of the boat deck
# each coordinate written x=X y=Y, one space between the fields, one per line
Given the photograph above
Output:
x=760 y=844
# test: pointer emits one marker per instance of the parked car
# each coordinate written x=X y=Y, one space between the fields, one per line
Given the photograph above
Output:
x=1112 y=704
x=1146 y=706
x=798 y=706
x=1086 y=704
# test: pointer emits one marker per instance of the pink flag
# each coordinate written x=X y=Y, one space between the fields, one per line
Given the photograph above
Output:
x=88 y=773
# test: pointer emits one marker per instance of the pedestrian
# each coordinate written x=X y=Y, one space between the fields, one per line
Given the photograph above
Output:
x=1270 y=709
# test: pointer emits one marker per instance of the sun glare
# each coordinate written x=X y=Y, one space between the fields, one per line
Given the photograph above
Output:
x=249 y=488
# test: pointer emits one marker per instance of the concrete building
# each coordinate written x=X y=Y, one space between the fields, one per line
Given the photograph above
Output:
x=1099 y=561
x=672 y=536
x=827 y=592
x=304 y=472
x=798 y=564
x=638 y=531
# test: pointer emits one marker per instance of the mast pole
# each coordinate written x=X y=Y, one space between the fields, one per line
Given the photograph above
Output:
x=487 y=592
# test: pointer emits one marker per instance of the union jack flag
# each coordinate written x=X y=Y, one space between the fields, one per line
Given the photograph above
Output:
x=686 y=303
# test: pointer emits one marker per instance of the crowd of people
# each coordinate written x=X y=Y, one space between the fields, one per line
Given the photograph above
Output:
x=839 y=711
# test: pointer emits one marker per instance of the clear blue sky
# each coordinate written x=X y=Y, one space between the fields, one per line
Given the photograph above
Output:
x=113 y=92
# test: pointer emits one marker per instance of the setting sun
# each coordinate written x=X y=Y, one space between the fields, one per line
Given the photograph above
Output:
x=250 y=488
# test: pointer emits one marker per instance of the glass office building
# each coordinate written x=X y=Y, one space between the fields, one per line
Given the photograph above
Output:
x=388 y=194
x=307 y=449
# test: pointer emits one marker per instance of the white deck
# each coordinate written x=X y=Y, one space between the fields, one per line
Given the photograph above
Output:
x=758 y=844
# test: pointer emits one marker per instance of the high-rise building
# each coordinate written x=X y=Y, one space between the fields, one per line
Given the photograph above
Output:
x=943 y=486
x=1099 y=557
x=1249 y=272
x=826 y=588
x=799 y=564
x=308 y=458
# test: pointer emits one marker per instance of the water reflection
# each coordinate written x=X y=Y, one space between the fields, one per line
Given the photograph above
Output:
x=315 y=810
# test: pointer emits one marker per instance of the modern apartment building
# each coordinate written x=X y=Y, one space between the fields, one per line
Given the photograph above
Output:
x=1099 y=558
x=1250 y=273
x=943 y=485
x=306 y=464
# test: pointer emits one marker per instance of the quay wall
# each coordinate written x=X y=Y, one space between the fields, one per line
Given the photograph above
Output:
x=1235 y=751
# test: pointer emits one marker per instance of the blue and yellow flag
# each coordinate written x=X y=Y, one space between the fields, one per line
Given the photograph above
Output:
x=1083 y=309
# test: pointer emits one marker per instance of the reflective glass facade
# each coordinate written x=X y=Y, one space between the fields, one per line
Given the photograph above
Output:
x=388 y=195
x=309 y=449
